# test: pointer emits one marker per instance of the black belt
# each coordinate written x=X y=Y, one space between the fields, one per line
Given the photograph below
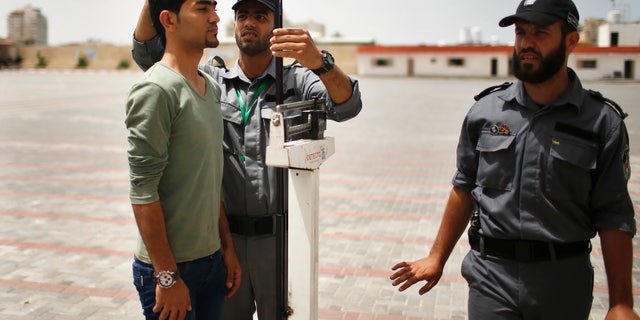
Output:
x=251 y=226
x=527 y=250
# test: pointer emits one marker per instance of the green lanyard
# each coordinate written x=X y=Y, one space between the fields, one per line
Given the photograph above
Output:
x=243 y=109
x=254 y=100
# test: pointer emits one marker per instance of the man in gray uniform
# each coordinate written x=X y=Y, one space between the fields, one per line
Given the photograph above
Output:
x=543 y=165
x=248 y=100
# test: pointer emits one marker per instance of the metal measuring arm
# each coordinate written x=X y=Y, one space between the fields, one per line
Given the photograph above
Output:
x=296 y=136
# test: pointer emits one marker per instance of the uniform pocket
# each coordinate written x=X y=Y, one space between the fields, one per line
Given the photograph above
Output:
x=231 y=113
x=232 y=145
x=574 y=152
x=570 y=164
x=496 y=162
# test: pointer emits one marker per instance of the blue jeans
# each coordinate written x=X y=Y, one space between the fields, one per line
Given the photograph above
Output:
x=205 y=278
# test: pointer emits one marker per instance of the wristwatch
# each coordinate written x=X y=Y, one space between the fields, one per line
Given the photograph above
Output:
x=166 y=279
x=327 y=63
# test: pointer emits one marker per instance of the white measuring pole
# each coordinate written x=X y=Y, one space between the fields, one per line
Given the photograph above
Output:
x=303 y=159
x=303 y=243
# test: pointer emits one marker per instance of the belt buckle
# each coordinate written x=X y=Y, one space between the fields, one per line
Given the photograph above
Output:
x=523 y=252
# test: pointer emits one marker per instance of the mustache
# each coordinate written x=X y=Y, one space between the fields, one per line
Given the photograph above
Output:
x=529 y=51
x=248 y=30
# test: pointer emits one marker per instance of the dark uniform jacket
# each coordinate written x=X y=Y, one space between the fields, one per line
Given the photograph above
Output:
x=554 y=173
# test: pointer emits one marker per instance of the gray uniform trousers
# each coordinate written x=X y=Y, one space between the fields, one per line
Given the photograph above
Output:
x=501 y=289
x=257 y=256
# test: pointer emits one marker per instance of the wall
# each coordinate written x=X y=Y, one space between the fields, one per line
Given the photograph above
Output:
x=434 y=64
x=108 y=57
x=350 y=60
x=100 y=57
x=478 y=65
x=394 y=64
x=601 y=63
x=608 y=66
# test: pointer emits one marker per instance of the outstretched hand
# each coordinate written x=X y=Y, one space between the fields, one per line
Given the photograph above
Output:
x=409 y=273
x=296 y=44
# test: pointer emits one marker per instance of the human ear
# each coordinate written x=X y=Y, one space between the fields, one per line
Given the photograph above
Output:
x=168 y=20
x=572 y=39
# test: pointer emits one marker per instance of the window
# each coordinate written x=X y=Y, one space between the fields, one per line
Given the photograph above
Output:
x=456 y=62
x=587 y=64
x=615 y=36
x=380 y=62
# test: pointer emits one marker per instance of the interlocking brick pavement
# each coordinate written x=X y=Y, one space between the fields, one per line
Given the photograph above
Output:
x=67 y=231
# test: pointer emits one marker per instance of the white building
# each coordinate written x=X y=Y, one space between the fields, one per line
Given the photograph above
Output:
x=616 y=56
x=616 y=33
x=591 y=63
x=451 y=61
x=619 y=35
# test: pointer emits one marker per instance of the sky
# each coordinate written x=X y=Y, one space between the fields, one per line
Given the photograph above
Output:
x=400 y=22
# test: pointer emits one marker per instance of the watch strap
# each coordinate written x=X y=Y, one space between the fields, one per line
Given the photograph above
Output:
x=327 y=63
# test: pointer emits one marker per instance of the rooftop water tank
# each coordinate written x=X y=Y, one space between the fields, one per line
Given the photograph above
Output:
x=614 y=17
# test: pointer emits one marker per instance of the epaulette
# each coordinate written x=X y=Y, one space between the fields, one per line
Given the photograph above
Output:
x=216 y=61
x=295 y=63
x=492 y=89
x=608 y=102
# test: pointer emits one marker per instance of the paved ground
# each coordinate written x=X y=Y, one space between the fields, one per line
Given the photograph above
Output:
x=66 y=228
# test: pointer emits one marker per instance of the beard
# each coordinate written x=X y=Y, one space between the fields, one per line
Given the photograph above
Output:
x=549 y=64
x=253 y=48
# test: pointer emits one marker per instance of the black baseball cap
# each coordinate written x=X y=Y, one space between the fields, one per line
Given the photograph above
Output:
x=271 y=4
x=544 y=13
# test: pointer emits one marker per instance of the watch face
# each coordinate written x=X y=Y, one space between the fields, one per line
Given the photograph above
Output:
x=328 y=58
x=165 y=279
x=327 y=63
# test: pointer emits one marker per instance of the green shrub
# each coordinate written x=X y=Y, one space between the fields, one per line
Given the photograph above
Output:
x=42 y=61
x=82 y=63
x=123 y=64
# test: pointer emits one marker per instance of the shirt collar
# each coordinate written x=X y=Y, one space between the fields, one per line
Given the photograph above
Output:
x=573 y=95
x=237 y=73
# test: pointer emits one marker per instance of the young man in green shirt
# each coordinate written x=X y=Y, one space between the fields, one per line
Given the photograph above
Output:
x=185 y=262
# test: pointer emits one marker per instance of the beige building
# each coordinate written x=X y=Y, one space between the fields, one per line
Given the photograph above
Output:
x=589 y=31
x=28 y=26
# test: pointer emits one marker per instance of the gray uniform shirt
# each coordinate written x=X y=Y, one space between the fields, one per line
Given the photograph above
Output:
x=248 y=184
x=553 y=173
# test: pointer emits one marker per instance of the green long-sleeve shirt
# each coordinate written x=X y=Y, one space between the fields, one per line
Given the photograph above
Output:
x=175 y=156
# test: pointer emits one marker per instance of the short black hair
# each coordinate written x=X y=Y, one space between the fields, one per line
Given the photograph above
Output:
x=157 y=6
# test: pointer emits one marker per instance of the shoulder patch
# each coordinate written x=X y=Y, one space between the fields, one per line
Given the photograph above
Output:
x=598 y=96
x=492 y=89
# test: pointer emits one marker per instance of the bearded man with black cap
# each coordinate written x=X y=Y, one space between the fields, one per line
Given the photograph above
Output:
x=542 y=166
x=248 y=99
